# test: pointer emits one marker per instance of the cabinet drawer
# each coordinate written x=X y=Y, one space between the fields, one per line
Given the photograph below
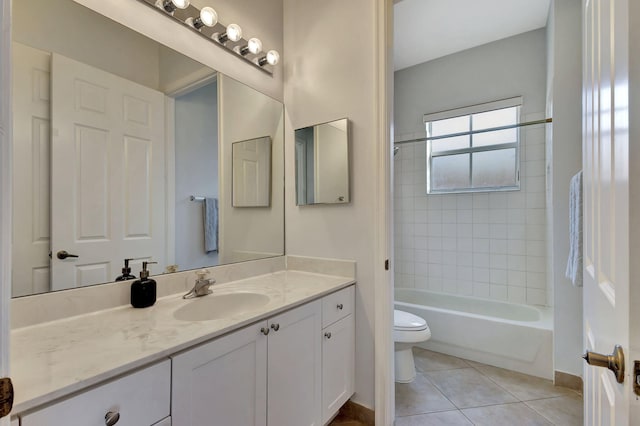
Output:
x=337 y=305
x=142 y=398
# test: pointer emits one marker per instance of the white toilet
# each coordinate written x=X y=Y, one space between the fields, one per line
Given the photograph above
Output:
x=408 y=329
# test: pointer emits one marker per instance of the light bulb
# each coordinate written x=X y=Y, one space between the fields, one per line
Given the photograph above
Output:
x=208 y=16
x=170 y=6
x=234 y=32
x=254 y=45
x=180 y=4
x=273 y=57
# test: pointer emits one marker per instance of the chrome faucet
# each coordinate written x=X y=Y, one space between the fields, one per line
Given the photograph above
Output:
x=201 y=288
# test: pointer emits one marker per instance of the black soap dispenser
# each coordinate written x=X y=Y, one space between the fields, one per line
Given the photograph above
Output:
x=143 y=291
x=126 y=272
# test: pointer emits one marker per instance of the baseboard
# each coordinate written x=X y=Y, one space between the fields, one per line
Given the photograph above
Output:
x=354 y=411
x=567 y=380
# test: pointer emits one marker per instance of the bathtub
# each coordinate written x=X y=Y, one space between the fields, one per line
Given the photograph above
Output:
x=506 y=335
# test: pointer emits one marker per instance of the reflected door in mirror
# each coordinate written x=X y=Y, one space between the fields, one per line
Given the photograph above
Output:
x=107 y=173
x=252 y=173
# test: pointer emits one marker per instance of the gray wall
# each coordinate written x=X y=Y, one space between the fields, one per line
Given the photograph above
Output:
x=510 y=67
x=196 y=172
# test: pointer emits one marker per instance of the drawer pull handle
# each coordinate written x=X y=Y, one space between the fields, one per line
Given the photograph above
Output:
x=111 y=418
x=275 y=327
x=340 y=306
x=327 y=335
x=264 y=330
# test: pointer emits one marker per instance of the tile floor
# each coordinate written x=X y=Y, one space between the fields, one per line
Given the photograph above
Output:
x=452 y=391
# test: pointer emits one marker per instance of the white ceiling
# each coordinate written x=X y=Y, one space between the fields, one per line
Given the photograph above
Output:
x=429 y=29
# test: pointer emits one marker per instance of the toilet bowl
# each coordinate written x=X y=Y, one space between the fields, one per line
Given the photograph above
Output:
x=408 y=329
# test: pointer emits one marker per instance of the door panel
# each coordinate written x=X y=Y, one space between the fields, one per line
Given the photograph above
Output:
x=31 y=171
x=108 y=186
x=606 y=204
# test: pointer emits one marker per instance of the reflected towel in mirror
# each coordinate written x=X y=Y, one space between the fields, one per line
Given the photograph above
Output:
x=210 y=224
x=574 y=264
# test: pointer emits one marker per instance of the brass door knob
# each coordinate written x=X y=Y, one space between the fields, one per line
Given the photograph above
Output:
x=614 y=362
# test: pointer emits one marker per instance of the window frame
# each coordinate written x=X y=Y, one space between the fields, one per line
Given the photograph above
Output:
x=470 y=111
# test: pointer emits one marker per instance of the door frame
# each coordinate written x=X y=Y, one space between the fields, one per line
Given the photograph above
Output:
x=383 y=278
x=5 y=187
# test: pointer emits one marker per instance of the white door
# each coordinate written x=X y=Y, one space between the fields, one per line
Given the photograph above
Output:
x=608 y=296
x=223 y=382
x=252 y=172
x=108 y=190
x=31 y=170
x=295 y=367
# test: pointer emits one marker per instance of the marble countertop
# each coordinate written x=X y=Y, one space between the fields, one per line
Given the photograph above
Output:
x=55 y=359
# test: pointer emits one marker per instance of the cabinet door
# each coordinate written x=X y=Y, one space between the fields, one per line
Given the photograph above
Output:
x=164 y=422
x=295 y=367
x=338 y=359
x=222 y=382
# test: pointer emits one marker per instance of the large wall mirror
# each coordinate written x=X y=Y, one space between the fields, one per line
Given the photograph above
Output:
x=123 y=149
x=322 y=163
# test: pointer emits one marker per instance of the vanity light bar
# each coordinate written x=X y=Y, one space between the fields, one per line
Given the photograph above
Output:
x=205 y=23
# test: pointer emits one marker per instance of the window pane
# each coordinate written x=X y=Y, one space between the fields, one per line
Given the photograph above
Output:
x=496 y=118
x=450 y=172
x=494 y=168
x=496 y=137
x=450 y=143
x=450 y=125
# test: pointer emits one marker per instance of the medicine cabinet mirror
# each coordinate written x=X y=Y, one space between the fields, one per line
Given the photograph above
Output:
x=118 y=140
x=322 y=163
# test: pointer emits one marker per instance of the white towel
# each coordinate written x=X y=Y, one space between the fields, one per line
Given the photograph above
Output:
x=574 y=264
x=210 y=216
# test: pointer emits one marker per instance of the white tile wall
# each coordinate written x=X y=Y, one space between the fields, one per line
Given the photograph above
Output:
x=490 y=245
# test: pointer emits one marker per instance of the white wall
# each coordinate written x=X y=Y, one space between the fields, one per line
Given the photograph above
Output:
x=489 y=245
x=249 y=232
x=330 y=73
x=65 y=27
x=564 y=101
x=262 y=19
x=196 y=171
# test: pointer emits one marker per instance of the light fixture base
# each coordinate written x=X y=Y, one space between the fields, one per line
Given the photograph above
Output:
x=234 y=47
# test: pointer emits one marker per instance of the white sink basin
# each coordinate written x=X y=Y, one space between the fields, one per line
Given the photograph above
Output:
x=217 y=306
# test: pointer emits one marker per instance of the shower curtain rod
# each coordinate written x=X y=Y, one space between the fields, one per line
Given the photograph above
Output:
x=473 y=132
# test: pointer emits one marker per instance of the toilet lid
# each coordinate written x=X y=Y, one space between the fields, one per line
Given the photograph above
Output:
x=405 y=321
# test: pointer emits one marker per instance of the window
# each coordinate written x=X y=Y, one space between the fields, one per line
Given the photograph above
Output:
x=474 y=149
